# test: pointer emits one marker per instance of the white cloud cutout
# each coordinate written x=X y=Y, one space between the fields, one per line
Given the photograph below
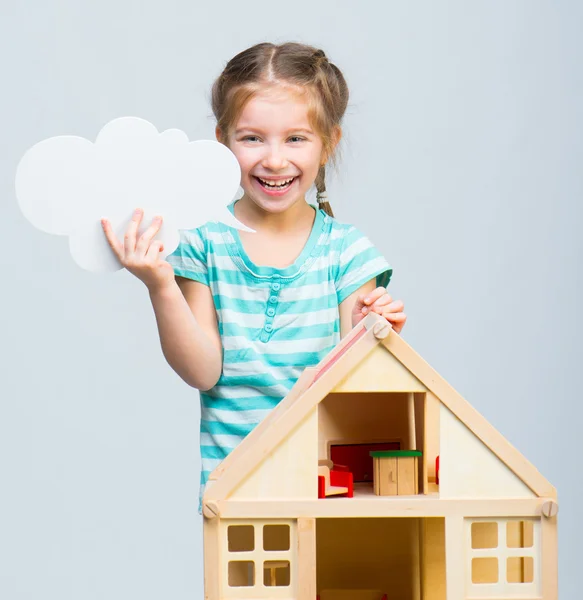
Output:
x=66 y=184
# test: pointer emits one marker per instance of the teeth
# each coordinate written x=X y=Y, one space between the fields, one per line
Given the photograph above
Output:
x=276 y=183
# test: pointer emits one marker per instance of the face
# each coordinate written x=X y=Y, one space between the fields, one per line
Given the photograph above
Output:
x=278 y=151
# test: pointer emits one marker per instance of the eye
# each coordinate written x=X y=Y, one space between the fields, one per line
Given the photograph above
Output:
x=250 y=138
x=296 y=138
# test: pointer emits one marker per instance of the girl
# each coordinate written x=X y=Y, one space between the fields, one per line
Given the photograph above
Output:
x=240 y=315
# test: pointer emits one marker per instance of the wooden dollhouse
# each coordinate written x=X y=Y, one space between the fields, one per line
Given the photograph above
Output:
x=375 y=480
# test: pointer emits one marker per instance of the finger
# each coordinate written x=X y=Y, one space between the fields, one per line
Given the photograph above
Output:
x=112 y=240
x=154 y=250
x=374 y=295
x=129 y=240
x=146 y=238
x=382 y=302
x=398 y=317
x=393 y=307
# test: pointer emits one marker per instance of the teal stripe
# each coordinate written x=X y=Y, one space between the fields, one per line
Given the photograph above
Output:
x=214 y=452
x=240 y=404
x=218 y=427
x=235 y=277
x=259 y=380
x=321 y=330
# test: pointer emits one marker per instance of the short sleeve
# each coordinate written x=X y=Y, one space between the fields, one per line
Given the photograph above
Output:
x=189 y=260
x=359 y=262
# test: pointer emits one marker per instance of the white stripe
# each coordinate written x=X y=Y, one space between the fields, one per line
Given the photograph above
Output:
x=191 y=238
x=354 y=249
x=210 y=464
x=362 y=272
x=275 y=346
x=248 y=293
x=232 y=393
x=258 y=368
x=299 y=319
x=235 y=417
x=187 y=264
x=220 y=440
x=218 y=238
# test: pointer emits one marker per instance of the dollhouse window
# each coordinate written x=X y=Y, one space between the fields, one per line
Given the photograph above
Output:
x=259 y=555
x=504 y=558
x=275 y=537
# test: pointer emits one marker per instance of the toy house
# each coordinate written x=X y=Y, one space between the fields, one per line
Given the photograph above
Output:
x=375 y=480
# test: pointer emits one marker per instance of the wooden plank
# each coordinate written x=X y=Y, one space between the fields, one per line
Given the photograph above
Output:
x=549 y=558
x=380 y=506
x=212 y=559
x=422 y=441
x=473 y=420
x=306 y=559
x=455 y=558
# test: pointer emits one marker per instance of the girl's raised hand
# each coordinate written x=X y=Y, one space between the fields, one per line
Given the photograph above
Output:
x=382 y=303
x=141 y=257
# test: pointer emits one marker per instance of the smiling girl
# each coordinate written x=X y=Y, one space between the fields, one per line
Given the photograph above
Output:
x=241 y=315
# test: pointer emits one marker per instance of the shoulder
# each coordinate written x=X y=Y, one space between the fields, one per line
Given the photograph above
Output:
x=345 y=237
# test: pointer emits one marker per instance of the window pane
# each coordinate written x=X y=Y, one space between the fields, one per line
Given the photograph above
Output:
x=276 y=573
x=275 y=537
x=520 y=569
x=485 y=570
x=485 y=534
x=519 y=534
x=241 y=573
x=241 y=538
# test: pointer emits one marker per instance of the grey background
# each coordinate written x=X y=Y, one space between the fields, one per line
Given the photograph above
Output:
x=462 y=162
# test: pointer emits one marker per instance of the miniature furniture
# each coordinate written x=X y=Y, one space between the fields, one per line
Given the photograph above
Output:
x=396 y=472
x=334 y=480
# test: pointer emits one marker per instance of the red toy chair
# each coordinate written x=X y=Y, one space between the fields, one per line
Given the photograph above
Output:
x=334 y=480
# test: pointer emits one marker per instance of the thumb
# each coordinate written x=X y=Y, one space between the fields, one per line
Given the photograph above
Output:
x=359 y=303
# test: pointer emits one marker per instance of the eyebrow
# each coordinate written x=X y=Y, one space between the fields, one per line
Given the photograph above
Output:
x=251 y=129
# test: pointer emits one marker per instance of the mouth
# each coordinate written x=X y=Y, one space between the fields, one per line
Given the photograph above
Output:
x=275 y=185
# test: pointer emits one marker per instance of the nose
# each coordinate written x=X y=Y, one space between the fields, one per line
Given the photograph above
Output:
x=274 y=159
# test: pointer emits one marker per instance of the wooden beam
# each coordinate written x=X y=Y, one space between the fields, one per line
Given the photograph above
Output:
x=306 y=559
x=380 y=506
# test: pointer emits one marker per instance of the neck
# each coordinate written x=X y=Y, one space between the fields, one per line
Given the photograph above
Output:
x=293 y=219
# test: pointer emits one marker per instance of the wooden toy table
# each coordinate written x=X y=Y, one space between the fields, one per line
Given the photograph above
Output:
x=396 y=472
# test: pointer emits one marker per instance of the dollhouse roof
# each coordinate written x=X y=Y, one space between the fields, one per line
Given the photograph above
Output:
x=315 y=383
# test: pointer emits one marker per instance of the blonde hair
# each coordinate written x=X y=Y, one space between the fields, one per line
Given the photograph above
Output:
x=288 y=64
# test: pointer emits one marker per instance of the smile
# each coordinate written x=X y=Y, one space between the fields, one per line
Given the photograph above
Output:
x=276 y=185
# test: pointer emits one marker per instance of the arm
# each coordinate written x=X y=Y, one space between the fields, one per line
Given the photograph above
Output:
x=347 y=305
x=184 y=310
x=189 y=335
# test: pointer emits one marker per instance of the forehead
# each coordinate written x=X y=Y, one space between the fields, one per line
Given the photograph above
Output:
x=277 y=109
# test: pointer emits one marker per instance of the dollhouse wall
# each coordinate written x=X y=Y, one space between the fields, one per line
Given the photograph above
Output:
x=469 y=469
x=290 y=471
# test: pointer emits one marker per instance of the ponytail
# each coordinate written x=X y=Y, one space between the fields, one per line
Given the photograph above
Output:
x=322 y=195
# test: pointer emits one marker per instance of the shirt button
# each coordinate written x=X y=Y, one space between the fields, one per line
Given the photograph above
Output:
x=275 y=286
x=271 y=312
x=268 y=327
x=273 y=299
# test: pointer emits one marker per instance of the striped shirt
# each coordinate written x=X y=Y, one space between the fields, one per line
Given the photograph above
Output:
x=272 y=322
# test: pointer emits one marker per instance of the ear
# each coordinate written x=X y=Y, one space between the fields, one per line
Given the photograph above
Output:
x=219 y=135
x=336 y=137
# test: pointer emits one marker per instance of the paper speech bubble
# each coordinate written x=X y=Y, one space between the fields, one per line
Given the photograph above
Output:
x=66 y=184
